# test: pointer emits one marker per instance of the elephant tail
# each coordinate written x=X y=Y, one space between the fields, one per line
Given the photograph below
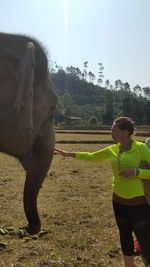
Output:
x=25 y=77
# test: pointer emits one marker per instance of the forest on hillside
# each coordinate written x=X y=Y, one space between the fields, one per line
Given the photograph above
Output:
x=95 y=100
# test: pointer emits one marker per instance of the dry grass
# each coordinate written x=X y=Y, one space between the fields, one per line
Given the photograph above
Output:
x=88 y=137
x=75 y=209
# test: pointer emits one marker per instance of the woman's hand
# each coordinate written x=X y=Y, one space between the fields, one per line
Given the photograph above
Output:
x=144 y=165
x=60 y=152
x=128 y=172
x=64 y=153
x=133 y=171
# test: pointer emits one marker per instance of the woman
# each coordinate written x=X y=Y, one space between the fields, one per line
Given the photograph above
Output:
x=132 y=212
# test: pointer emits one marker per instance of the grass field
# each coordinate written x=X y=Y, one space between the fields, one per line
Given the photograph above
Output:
x=75 y=210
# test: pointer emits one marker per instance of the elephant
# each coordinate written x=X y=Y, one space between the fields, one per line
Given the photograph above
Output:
x=27 y=106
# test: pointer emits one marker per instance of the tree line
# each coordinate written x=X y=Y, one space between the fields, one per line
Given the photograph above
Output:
x=80 y=95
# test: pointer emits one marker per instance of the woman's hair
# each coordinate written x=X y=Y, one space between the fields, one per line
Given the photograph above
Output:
x=125 y=123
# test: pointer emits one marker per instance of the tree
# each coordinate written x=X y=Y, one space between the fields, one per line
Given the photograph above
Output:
x=107 y=83
x=91 y=76
x=60 y=81
x=147 y=112
x=146 y=91
x=126 y=87
x=137 y=89
x=127 y=107
x=85 y=99
x=137 y=104
x=118 y=85
x=67 y=103
x=85 y=69
x=56 y=66
x=108 y=115
x=75 y=72
x=59 y=113
x=111 y=87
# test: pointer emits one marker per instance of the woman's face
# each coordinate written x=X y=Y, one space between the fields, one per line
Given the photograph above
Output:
x=118 y=135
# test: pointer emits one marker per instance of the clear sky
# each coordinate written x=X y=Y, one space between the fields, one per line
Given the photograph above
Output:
x=113 y=32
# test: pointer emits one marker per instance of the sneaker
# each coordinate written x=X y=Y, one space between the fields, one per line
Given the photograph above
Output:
x=137 y=248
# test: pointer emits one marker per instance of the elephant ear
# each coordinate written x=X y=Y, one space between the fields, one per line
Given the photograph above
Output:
x=25 y=76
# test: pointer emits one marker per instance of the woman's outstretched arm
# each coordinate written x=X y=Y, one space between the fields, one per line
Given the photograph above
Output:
x=64 y=153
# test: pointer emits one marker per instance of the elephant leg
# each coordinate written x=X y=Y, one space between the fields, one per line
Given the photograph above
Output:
x=36 y=166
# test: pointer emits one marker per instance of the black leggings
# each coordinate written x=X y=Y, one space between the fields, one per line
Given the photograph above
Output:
x=135 y=219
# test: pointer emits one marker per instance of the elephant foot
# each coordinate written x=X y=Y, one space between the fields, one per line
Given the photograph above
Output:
x=33 y=229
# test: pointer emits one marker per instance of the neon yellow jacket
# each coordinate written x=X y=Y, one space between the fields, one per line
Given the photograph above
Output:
x=122 y=186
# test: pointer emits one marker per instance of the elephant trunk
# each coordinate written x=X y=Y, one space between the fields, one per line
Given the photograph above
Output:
x=31 y=190
x=34 y=179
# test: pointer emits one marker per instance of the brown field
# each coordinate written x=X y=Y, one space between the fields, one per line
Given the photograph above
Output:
x=75 y=209
x=61 y=136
